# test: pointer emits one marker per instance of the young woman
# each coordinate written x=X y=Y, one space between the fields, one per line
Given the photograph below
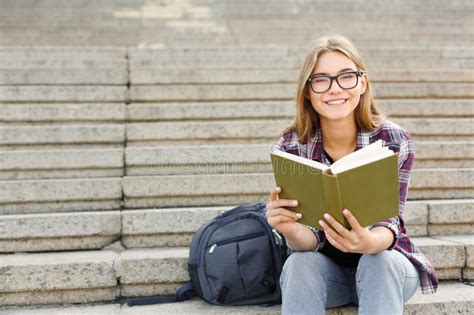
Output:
x=376 y=267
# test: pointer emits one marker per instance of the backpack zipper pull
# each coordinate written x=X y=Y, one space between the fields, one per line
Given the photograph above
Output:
x=278 y=239
x=213 y=247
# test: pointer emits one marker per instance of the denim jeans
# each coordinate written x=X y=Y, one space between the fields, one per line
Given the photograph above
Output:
x=381 y=283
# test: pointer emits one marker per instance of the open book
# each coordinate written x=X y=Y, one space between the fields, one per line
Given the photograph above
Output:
x=365 y=182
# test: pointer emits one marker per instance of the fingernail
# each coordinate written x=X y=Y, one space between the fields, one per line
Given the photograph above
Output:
x=295 y=202
x=299 y=215
x=278 y=189
x=326 y=216
x=345 y=211
x=321 y=222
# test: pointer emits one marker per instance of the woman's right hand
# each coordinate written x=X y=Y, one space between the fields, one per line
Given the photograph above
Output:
x=281 y=219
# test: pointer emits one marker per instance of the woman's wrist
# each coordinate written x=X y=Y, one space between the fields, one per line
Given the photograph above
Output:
x=302 y=240
x=381 y=240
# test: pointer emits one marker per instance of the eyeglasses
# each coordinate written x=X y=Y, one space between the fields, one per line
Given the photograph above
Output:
x=323 y=83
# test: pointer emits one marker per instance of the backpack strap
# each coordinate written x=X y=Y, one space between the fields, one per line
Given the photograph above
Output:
x=184 y=293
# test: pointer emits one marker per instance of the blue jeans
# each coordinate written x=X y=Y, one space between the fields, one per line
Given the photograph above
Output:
x=381 y=283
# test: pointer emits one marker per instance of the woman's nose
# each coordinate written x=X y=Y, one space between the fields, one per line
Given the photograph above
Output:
x=335 y=88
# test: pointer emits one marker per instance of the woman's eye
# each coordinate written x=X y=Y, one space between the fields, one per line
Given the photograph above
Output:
x=321 y=80
x=347 y=76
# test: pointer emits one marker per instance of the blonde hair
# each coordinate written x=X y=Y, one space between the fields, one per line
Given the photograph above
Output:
x=367 y=116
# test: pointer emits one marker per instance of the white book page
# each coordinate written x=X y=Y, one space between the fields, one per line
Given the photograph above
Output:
x=366 y=155
x=359 y=154
x=300 y=159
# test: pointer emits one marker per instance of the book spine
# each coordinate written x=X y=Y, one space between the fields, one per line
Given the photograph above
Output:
x=332 y=197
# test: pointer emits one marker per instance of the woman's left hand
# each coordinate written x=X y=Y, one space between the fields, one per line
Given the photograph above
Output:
x=358 y=240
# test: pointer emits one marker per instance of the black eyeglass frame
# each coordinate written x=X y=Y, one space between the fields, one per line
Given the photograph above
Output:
x=358 y=74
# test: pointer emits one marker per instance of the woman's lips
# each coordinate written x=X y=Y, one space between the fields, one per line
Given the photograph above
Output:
x=336 y=102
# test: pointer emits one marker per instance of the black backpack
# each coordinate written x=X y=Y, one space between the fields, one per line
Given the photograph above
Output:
x=235 y=259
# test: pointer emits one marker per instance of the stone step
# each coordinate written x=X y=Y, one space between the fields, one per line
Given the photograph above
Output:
x=269 y=130
x=58 y=93
x=172 y=227
x=236 y=9
x=17 y=137
x=53 y=278
x=256 y=20
x=185 y=17
x=412 y=29
x=456 y=218
x=281 y=9
x=62 y=52
x=117 y=76
x=57 y=112
x=256 y=50
x=263 y=37
x=444 y=154
x=175 y=226
x=58 y=195
x=80 y=277
x=59 y=231
x=63 y=66
x=284 y=91
x=256 y=27
x=227 y=31
x=468 y=242
x=330 y=23
x=451 y=298
x=217 y=36
x=42 y=63
x=255 y=158
x=65 y=163
x=223 y=189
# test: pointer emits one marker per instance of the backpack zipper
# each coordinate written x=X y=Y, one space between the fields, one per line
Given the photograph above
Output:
x=235 y=239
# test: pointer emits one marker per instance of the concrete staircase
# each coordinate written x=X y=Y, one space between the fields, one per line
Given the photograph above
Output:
x=111 y=157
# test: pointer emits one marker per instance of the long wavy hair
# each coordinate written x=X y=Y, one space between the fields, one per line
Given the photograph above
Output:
x=306 y=122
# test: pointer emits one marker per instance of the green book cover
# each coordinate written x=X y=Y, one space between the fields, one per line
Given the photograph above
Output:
x=367 y=186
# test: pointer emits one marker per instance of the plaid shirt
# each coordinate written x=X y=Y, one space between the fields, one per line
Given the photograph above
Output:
x=399 y=141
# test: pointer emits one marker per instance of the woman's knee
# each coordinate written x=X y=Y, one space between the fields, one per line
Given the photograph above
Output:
x=384 y=258
x=303 y=263
x=299 y=260
x=380 y=263
x=303 y=270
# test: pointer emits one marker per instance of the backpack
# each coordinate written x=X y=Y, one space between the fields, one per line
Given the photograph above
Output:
x=235 y=259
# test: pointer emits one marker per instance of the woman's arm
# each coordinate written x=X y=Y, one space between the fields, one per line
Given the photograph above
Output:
x=302 y=240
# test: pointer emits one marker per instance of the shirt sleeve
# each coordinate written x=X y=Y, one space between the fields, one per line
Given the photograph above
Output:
x=320 y=238
x=406 y=157
x=282 y=143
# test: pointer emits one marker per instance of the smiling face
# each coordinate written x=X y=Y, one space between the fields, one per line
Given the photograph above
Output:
x=336 y=104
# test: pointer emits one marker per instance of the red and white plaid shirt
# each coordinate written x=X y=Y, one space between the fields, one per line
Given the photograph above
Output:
x=399 y=141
